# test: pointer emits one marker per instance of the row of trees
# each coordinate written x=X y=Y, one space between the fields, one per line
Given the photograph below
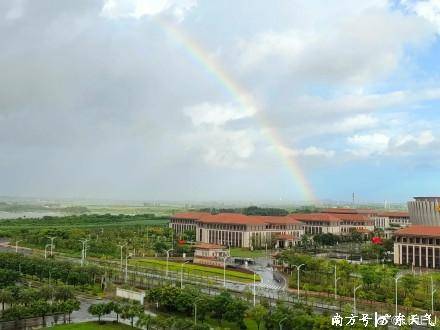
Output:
x=63 y=271
x=378 y=281
x=19 y=302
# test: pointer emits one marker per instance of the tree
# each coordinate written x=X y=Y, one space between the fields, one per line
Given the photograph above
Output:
x=116 y=308
x=131 y=310
x=235 y=312
x=70 y=306
x=145 y=321
x=258 y=314
x=99 y=310
x=5 y=297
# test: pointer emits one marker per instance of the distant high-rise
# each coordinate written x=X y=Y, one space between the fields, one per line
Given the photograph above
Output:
x=425 y=211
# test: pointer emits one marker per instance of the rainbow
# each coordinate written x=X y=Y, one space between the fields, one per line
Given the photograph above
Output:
x=244 y=99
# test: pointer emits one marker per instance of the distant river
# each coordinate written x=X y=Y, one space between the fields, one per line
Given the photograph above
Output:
x=15 y=215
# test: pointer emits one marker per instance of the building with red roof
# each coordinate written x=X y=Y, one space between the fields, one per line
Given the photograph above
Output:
x=234 y=229
x=417 y=245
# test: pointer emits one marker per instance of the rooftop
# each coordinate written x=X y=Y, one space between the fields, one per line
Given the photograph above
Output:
x=419 y=230
x=394 y=214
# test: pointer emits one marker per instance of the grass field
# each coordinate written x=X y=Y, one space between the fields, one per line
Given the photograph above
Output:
x=246 y=253
x=195 y=269
x=93 y=326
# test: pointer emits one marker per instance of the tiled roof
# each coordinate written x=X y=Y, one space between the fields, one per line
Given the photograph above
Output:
x=394 y=214
x=236 y=218
x=340 y=210
x=208 y=246
x=323 y=217
x=418 y=230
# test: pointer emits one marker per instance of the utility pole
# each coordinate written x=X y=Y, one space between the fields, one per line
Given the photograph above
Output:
x=51 y=244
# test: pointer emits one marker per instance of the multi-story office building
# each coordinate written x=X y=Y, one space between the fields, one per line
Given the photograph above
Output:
x=334 y=223
x=232 y=229
x=425 y=211
x=418 y=246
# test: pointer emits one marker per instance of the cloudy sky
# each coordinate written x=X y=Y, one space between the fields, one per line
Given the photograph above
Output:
x=220 y=100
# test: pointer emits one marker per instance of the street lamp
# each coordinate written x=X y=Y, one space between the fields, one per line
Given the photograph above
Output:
x=126 y=266
x=45 y=251
x=354 y=297
x=224 y=271
x=121 y=246
x=281 y=322
x=336 y=284
x=83 y=253
x=51 y=244
x=181 y=273
x=254 y=287
x=432 y=295
x=168 y=256
x=16 y=246
x=398 y=276
x=297 y=277
x=195 y=311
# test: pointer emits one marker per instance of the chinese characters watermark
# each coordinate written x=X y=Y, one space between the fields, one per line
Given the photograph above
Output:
x=377 y=320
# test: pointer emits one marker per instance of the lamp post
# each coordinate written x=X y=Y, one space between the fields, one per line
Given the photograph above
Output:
x=181 y=273
x=432 y=295
x=255 y=287
x=121 y=246
x=354 y=297
x=280 y=323
x=168 y=256
x=398 y=276
x=16 y=246
x=336 y=283
x=51 y=244
x=224 y=271
x=298 y=267
x=83 y=253
x=195 y=311
x=45 y=251
x=126 y=267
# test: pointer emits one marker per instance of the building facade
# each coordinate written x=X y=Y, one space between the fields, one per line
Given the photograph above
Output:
x=425 y=211
x=210 y=254
x=417 y=245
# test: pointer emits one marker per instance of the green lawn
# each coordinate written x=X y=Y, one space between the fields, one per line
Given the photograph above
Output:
x=93 y=326
x=246 y=253
x=195 y=269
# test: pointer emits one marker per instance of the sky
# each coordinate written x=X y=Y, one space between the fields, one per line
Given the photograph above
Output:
x=198 y=100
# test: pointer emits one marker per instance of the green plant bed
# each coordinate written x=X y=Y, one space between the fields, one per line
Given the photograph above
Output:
x=195 y=269
x=93 y=326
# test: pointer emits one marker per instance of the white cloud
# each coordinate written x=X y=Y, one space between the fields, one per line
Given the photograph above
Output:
x=354 y=123
x=428 y=9
x=349 y=50
x=139 y=8
x=220 y=147
x=369 y=144
x=387 y=144
x=215 y=114
x=311 y=151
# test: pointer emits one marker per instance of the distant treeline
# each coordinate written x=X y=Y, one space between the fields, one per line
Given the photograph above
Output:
x=16 y=207
x=85 y=219
x=251 y=210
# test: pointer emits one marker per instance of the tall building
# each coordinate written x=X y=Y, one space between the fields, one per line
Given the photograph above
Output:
x=425 y=211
